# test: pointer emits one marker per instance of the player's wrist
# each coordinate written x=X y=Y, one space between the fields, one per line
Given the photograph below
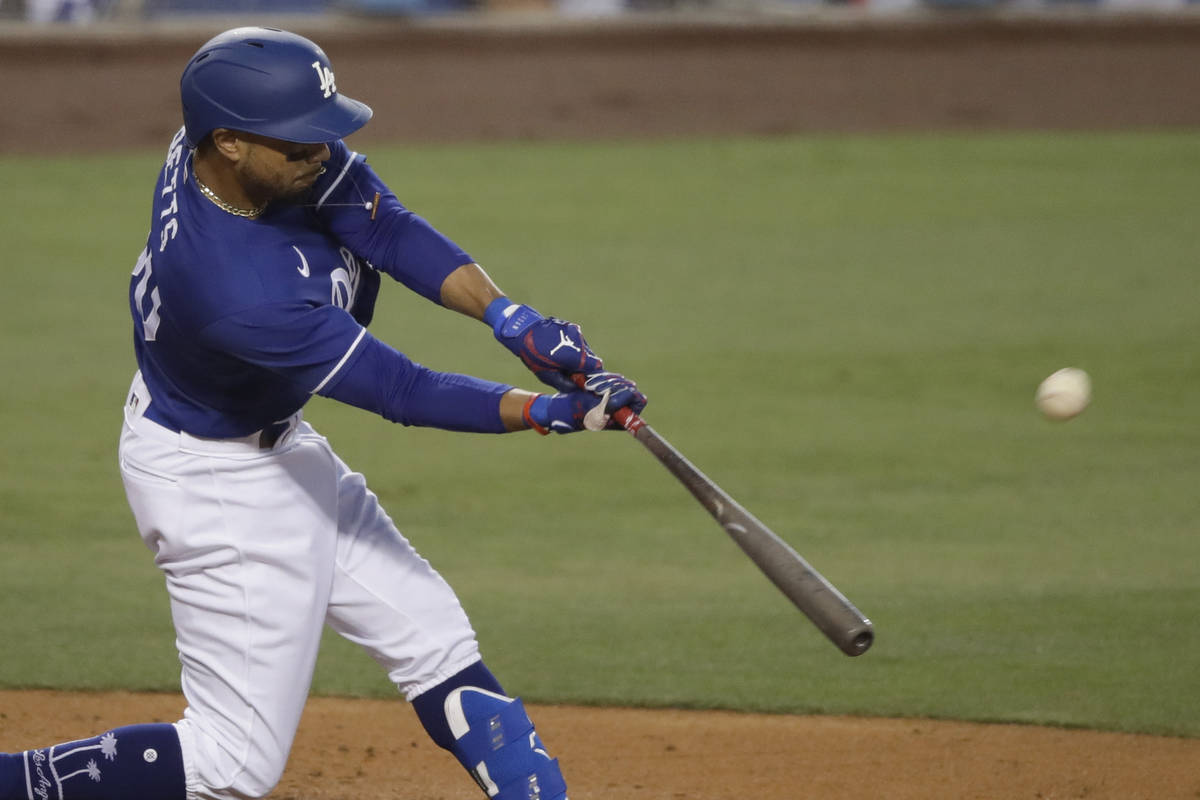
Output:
x=536 y=413
x=510 y=322
x=498 y=311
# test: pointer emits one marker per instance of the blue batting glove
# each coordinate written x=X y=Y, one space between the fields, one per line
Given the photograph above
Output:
x=589 y=408
x=553 y=349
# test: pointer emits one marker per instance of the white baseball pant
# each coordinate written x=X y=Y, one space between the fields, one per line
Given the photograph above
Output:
x=260 y=548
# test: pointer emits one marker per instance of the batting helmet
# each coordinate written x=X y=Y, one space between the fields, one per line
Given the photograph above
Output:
x=266 y=81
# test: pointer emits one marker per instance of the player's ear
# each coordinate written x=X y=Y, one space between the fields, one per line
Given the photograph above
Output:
x=225 y=142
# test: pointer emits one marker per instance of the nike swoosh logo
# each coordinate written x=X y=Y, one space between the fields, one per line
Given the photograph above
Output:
x=303 y=268
x=595 y=419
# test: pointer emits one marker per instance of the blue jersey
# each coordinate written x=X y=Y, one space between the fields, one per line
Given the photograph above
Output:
x=238 y=321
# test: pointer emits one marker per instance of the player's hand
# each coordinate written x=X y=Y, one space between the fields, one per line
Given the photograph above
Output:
x=552 y=348
x=589 y=408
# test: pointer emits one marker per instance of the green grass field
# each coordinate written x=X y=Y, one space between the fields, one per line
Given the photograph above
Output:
x=846 y=333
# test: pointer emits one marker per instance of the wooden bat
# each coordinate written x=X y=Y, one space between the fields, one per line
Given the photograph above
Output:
x=809 y=591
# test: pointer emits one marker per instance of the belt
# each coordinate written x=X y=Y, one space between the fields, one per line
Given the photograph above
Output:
x=138 y=403
x=265 y=439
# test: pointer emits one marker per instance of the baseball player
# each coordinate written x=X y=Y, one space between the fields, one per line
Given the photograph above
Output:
x=268 y=238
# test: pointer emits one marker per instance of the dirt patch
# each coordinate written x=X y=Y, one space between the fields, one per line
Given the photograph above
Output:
x=376 y=750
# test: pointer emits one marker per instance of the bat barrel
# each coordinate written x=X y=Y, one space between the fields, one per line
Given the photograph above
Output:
x=809 y=591
x=819 y=600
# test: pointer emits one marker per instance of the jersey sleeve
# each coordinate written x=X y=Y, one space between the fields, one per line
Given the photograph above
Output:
x=325 y=351
x=307 y=344
x=392 y=238
x=384 y=380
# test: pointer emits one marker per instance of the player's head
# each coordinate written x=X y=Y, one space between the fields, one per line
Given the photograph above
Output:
x=268 y=82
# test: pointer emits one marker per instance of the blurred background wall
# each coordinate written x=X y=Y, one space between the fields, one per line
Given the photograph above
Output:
x=90 y=11
x=102 y=75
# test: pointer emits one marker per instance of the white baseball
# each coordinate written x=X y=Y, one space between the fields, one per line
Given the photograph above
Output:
x=1065 y=394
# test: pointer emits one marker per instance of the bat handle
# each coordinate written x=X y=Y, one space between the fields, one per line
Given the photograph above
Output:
x=626 y=417
x=628 y=420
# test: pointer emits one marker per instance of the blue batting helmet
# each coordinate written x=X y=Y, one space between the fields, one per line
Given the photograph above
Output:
x=266 y=81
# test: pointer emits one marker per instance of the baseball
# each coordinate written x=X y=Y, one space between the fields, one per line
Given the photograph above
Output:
x=1065 y=394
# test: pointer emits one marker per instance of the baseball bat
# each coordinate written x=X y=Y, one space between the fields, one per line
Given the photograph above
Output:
x=809 y=591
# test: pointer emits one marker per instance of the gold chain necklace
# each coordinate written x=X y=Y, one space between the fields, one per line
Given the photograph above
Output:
x=249 y=213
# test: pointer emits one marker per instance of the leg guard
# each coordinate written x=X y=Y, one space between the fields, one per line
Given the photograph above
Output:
x=496 y=742
x=431 y=705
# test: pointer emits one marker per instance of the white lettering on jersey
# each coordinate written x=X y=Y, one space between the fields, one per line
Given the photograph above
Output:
x=325 y=75
x=171 y=225
x=143 y=271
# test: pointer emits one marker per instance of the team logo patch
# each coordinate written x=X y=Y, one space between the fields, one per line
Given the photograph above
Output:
x=325 y=75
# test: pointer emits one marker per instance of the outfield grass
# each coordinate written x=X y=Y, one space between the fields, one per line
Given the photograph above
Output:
x=844 y=332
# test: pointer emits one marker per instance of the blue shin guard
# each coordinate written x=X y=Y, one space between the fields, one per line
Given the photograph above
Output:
x=137 y=761
x=495 y=740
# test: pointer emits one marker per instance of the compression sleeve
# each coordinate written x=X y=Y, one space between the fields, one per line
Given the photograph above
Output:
x=391 y=237
x=384 y=380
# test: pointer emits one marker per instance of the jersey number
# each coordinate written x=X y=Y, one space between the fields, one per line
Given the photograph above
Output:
x=143 y=271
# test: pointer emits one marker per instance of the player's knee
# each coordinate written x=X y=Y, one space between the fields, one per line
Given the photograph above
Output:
x=223 y=769
x=495 y=740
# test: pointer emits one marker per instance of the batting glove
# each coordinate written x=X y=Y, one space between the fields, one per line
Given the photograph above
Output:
x=589 y=408
x=552 y=348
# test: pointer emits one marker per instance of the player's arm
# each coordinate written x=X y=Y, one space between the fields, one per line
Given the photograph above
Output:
x=384 y=380
x=397 y=241
x=324 y=350
x=363 y=213
x=553 y=349
x=469 y=290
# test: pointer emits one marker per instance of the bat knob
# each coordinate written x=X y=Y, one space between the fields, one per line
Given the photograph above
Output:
x=857 y=639
x=861 y=642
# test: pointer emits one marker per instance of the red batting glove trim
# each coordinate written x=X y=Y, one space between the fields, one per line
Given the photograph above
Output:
x=529 y=420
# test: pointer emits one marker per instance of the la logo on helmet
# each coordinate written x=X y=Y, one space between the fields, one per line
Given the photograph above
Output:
x=326 y=75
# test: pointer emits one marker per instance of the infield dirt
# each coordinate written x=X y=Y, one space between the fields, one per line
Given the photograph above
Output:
x=111 y=89
x=376 y=750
